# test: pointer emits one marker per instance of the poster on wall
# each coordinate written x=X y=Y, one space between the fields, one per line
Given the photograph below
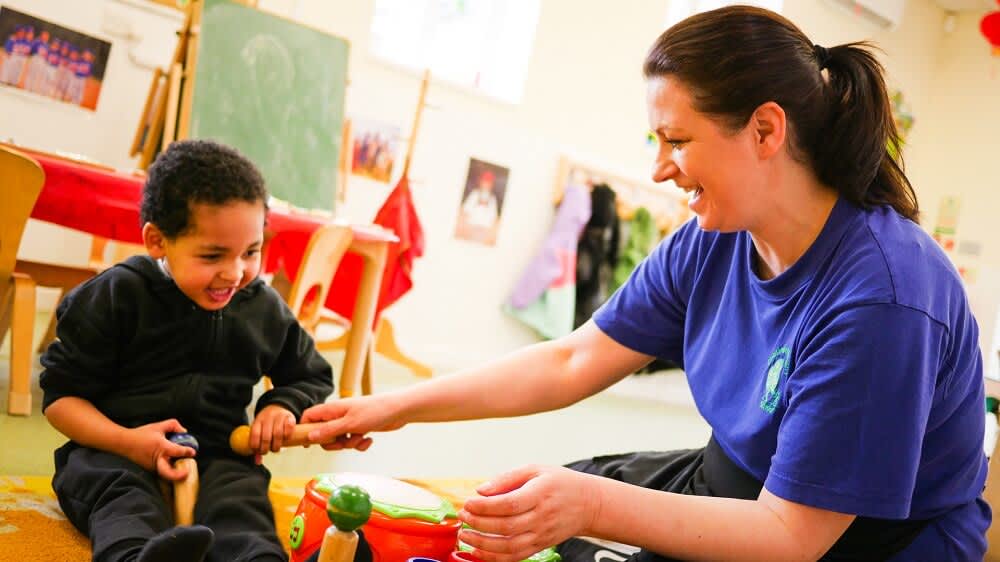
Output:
x=375 y=149
x=51 y=60
x=482 y=202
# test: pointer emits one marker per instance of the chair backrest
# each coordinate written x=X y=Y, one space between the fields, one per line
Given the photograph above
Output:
x=315 y=276
x=21 y=180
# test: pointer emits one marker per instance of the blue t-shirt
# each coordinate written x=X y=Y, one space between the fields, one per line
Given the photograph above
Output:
x=851 y=382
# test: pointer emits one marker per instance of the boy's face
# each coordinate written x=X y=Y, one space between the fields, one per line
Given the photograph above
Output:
x=219 y=253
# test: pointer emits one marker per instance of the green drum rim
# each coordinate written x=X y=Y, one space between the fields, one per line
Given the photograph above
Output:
x=327 y=482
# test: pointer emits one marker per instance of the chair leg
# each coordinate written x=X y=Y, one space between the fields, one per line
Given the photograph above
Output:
x=366 y=372
x=50 y=332
x=385 y=344
x=22 y=326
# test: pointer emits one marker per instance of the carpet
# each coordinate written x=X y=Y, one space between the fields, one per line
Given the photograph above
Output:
x=33 y=528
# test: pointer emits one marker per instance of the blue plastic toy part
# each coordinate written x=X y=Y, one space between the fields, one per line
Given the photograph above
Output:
x=185 y=439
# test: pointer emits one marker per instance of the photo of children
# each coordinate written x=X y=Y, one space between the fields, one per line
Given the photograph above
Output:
x=376 y=147
x=482 y=202
x=51 y=60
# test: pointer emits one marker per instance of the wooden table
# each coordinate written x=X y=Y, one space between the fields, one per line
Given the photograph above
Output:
x=101 y=201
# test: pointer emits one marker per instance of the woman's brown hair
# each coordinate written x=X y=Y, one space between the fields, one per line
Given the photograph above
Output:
x=736 y=58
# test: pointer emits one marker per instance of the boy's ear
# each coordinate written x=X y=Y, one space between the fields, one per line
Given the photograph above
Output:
x=154 y=240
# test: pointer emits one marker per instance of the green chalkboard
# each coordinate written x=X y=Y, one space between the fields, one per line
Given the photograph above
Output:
x=273 y=89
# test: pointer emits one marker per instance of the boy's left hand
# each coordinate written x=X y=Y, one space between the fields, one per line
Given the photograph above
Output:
x=271 y=427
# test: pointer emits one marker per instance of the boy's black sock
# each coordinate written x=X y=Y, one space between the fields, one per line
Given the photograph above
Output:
x=180 y=543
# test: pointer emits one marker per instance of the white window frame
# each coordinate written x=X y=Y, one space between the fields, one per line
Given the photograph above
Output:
x=680 y=9
x=481 y=45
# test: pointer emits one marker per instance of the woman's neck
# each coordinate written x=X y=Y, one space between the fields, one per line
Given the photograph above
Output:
x=793 y=222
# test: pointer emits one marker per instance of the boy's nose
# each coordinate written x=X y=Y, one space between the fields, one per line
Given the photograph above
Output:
x=232 y=274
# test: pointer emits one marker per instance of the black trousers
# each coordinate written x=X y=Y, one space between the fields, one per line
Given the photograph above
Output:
x=710 y=472
x=119 y=505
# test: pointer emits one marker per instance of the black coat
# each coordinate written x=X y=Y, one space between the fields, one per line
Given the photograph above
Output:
x=130 y=342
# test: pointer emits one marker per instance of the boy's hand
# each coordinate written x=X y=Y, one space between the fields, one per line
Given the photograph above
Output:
x=150 y=449
x=272 y=426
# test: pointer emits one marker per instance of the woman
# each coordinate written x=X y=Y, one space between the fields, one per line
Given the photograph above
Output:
x=826 y=338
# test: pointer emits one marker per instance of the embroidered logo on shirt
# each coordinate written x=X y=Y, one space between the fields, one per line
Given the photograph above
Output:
x=777 y=371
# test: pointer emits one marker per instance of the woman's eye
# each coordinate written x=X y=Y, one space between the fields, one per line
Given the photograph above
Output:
x=674 y=143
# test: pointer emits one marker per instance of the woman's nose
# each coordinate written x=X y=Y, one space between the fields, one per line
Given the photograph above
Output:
x=664 y=167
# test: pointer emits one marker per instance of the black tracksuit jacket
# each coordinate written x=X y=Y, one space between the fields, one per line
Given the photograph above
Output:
x=130 y=342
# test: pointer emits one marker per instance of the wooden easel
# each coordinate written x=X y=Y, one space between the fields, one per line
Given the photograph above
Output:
x=385 y=337
x=168 y=103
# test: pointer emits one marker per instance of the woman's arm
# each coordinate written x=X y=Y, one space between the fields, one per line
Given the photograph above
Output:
x=538 y=378
x=530 y=508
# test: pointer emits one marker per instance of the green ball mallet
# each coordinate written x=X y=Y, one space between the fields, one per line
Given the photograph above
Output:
x=348 y=508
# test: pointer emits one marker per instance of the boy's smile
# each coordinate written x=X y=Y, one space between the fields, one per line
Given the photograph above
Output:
x=217 y=255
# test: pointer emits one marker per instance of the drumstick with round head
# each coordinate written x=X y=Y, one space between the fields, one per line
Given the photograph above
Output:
x=186 y=490
x=239 y=439
x=348 y=508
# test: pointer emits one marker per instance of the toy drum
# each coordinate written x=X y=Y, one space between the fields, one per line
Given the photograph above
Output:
x=406 y=521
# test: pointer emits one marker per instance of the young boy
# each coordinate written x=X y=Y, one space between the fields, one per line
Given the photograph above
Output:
x=173 y=342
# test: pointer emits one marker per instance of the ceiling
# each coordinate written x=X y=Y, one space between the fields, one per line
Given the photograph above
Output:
x=962 y=5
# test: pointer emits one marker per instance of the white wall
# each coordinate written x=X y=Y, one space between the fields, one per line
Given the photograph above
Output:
x=959 y=158
x=584 y=96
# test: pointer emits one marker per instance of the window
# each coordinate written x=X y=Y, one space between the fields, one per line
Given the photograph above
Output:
x=680 y=9
x=480 y=44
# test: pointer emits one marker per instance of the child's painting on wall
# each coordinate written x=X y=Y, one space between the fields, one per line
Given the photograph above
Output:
x=375 y=149
x=482 y=202
x=50 y=60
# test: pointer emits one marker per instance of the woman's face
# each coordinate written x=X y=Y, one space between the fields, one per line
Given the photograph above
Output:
x=718 y=168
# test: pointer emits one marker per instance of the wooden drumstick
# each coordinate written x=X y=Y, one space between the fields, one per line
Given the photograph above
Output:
x=186 y=490
x=239 y=439
x=348 y=508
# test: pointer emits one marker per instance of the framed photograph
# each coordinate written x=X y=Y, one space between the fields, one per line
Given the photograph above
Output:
x=482 y=202
x=375 y=149
x=51 y=60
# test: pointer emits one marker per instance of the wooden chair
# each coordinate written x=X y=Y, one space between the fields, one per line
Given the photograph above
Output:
x=21 y=180
x=311 y=286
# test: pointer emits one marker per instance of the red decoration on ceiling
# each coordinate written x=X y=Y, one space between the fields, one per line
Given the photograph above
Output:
x=990 y=28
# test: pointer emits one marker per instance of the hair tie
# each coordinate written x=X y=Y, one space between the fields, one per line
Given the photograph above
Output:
x=822 y=56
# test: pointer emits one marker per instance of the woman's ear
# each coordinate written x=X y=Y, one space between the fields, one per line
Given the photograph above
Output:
x=770 y=129
x=154 y=240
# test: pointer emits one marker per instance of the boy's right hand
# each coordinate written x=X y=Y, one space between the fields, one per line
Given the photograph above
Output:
x=150 y=449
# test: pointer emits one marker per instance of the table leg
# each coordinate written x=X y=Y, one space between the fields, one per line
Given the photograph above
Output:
x=360 y=338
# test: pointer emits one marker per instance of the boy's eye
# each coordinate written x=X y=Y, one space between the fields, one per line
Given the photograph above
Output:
x=209 y=257
x=675 y=143
x=253 y=252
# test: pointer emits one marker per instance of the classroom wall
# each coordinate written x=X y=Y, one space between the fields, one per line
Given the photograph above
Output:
x=959 y=159
x=584 y=96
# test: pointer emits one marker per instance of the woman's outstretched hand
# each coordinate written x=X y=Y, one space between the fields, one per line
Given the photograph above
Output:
x=527 y=510
x=347 y=421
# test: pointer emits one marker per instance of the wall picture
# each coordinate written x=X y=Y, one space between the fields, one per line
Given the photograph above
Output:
x=51 y=60
x=482 y=202
x=375 y=149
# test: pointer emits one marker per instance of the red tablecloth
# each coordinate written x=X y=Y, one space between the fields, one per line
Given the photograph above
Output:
x=105 y=203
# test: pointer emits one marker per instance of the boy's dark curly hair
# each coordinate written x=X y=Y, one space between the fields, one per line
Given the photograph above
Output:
x=196 y=171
